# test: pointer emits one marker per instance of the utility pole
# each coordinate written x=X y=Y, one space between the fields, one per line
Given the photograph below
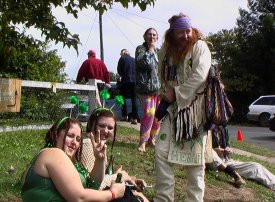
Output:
x=101 y=37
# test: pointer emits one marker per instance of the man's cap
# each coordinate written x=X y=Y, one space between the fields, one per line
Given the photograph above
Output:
x=92 y=52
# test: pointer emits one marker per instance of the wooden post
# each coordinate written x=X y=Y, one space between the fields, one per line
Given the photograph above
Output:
x=92 y=96
x=10 y=94
x=101 y=37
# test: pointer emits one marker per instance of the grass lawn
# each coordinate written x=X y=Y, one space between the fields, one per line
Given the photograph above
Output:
x=18 y=148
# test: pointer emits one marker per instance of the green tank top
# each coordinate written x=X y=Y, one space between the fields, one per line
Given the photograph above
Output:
x=41 y=189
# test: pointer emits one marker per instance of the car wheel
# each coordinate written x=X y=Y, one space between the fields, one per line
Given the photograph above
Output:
x=264 y=119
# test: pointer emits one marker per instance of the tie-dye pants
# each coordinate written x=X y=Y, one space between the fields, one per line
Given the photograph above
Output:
x=149 y=126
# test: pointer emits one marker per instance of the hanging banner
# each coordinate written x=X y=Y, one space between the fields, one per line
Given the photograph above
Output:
x=10 y=94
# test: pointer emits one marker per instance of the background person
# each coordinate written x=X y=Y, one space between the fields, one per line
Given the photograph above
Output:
x=93 y=68
x=147 y=86
x=46 y=178
x=126 y=68
x=248 y=170
x=184 y=63
x=229 y=170
x=103 y=120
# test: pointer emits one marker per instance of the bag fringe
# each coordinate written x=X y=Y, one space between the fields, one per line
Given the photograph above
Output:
x=190 y=119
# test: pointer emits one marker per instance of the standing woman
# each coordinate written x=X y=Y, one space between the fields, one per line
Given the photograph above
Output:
x=147 y=86
x=56 y=174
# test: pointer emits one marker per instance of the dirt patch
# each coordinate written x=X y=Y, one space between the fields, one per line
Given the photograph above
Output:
x=229 y=194
x=218 y=194
x=128 y=139
x=212 y=193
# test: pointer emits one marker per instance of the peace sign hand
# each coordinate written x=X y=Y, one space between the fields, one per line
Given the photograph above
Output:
x=99 y=146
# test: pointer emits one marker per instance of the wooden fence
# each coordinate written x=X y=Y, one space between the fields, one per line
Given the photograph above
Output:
x=90 y=87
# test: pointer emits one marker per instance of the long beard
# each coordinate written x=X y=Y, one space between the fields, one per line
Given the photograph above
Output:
x=179 y=50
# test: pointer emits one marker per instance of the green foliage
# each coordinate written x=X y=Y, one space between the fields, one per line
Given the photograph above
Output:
x=256 y=45
x=29 y=59
x=23 y=57
x=246 y=55
x=42 y=105
x=113 y=76
x=38 y=14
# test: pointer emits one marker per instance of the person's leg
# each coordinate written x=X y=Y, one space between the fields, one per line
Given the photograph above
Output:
x=219 y=165
x=98 y=102
x=133 y=96
x=254 y=171
x=195 y=183
x=146 y=122
x=195 y=177
x=156 y=124
x=165 y=181
x=124 y=113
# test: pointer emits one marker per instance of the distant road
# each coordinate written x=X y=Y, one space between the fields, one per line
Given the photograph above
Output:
x=259 y=136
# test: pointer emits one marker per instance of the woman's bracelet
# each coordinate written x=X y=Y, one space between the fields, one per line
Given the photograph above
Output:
x=113 y=194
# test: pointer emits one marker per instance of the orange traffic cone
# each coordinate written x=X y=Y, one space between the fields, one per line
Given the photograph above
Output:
x=240 y=136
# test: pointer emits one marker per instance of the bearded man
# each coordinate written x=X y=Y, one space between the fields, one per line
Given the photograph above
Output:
x=184 y=63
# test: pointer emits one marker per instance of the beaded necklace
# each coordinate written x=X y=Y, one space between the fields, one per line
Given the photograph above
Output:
x=89 y=182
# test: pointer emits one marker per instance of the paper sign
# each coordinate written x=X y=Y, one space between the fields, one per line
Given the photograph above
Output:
x=192 y=153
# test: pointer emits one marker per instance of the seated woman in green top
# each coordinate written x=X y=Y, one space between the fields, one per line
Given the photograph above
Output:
x=55 y=174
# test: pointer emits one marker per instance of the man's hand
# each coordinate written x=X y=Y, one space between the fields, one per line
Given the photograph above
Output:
x=168 y=94
x=228 y=151
x=108 y=85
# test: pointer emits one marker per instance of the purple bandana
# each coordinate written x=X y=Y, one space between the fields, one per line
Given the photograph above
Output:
x=181 y=23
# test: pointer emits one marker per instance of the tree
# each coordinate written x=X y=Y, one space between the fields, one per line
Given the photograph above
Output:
x=38 y=14
x=246 y=55
x=23 y=57
x=114 y=76
x=32 y=61
x=29 y=59
x=255 y=32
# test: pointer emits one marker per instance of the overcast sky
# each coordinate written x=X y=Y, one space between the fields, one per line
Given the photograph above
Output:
x=124 y=28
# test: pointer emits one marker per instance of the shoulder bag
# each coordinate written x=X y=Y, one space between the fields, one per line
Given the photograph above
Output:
x=218 y=108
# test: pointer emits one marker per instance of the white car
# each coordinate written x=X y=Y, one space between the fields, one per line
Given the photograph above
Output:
x=261 y=109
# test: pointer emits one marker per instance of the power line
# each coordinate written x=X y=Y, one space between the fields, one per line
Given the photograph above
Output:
x=141 y=16
x=87 y=40
x=120 y=30
x=128 y=19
